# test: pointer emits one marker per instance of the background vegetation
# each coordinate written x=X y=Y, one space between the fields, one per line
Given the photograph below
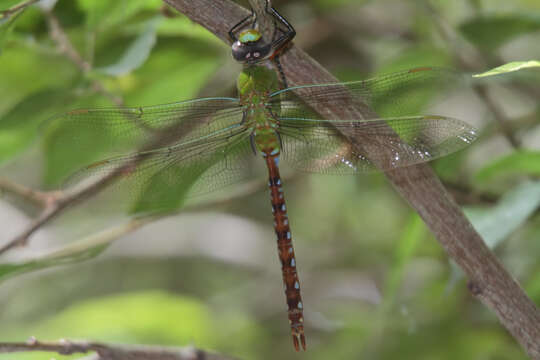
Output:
x=376 y=285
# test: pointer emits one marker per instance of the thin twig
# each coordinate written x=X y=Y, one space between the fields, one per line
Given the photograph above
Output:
x=22 y=239
x=112 y=352
x=38 y=198
x=504 y=123
x=417 y=184
x=16 y=8
x=58 y=34
x=109 y=235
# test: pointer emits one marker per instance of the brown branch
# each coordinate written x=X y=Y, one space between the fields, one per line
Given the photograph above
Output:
x=22 y=239
x=112 y=352
x=16 y=8
x=65 y=199
x=494 y=286
x=36 y=197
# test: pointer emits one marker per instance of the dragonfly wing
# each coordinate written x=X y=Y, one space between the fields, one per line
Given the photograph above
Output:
x=86 y=135
x=160 y=179
x=345 y=147
x=398 y=94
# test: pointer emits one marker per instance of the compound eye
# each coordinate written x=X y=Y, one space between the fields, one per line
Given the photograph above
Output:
x=240 y=52
x=249 y=36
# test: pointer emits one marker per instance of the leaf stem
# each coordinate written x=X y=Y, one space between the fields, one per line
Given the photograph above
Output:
x=112 y=352
x=7 y=13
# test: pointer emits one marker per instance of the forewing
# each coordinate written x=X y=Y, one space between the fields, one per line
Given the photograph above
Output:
x=82 y=136
x=403 y=93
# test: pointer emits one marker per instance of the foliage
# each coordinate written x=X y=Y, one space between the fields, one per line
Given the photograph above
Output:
x=377 y=285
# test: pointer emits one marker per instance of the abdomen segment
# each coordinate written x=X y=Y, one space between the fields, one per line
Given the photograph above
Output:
x=286 y=252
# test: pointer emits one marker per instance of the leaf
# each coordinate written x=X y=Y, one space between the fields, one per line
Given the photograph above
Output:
x=521 y=162
x=136 y=54
x=103 y=14
x=497 y=223
x=407 y=245
x=137 y=317
x=510 y=67
x=18 y=127
x=491 y=32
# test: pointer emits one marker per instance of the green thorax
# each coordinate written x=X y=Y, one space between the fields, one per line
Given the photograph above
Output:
x=258 y=79
x=255 y=84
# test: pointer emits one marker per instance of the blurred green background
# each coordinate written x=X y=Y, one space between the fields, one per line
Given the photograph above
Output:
x=376 y=284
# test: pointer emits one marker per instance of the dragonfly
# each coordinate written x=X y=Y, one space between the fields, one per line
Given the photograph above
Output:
x=206 y=144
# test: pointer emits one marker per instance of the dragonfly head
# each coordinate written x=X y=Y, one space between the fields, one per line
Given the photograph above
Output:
x=250 y=47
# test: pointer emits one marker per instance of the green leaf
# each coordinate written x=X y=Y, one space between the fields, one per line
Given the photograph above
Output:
x=103 y=14
x=407 y=245
x=497 y=223
x=20 y=79
x=136 y=54
x=141 y=317
x=18 y=127
x=521 y=162
x=491 y=32
x=510 y=67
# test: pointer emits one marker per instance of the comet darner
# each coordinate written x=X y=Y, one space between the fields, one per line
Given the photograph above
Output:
x=206 y=143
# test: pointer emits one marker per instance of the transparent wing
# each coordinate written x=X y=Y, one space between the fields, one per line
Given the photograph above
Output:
x=398 y=94
x=315 y=145
x=159 y=179
x=319 y=142
x=83 y=136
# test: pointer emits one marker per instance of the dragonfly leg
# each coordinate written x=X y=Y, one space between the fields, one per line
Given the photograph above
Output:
x=280 y=140
x=252 y=142
x=244 y=21
x=283 y=79
x=280 y=42
x=287 y=36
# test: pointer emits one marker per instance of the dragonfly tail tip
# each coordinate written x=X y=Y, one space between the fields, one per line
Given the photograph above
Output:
x=299 y=339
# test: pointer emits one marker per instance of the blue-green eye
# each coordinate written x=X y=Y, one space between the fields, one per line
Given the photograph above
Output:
x=248 y=36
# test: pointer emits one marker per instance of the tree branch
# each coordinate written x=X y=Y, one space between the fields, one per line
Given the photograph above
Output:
x=36 y=197
x=16 y=8
x=112 y=352
x=493 y=286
